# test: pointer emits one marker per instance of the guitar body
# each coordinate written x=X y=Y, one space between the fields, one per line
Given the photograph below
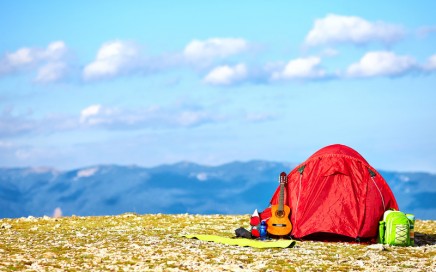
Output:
x=279 y=223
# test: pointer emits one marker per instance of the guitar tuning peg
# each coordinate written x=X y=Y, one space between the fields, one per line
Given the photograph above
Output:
x=283 y=177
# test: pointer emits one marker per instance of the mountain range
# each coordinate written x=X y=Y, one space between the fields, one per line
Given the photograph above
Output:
x=232 y=188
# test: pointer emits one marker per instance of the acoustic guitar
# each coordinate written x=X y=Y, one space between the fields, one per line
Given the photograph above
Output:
x=279 y=223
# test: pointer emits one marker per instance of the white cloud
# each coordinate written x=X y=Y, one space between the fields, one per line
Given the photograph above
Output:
x=381 y=63
x=5 y=144
x=88 y=112
x=336 y=29
x=18 y=124
x=96 y=115
x=12 y=125
x=301 y=68
x=191 y=118
x=51 y=72
x=431 y=63
x=207 y=50
x=425 y=31
x=50 y=62
x=113 y=58
x=329 y=52
x=21 y=57
x=55 y=51
x=259 y=117
x=180 y=115
x=176 y=115
x=24 y=154
x=226 y=75
x=25 y=56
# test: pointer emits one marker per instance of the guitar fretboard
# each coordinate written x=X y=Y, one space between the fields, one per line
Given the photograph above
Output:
x=281 y=196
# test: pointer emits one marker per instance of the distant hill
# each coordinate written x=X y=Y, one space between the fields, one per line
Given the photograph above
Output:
x=233 y=188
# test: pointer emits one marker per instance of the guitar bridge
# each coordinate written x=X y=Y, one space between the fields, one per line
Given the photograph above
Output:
x=279 y=225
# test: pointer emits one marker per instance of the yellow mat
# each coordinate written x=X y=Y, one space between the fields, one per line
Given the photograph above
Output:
x=282 y=243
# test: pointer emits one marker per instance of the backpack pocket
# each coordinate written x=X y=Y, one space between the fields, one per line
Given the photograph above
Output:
x=397 y=229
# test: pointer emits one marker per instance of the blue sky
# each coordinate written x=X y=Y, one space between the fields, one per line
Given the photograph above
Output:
x=112 y=82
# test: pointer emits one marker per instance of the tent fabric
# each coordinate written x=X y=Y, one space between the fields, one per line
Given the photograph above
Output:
x=335 y=191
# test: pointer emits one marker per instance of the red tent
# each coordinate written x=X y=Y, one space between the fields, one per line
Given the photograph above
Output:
x=336 y=193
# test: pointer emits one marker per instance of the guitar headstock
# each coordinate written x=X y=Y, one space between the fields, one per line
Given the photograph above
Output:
x=283 y=178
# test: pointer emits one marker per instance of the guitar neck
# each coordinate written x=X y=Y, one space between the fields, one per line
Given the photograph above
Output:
x=281 y=196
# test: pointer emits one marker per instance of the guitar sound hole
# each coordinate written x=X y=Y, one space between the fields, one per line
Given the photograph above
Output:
x=280 y=213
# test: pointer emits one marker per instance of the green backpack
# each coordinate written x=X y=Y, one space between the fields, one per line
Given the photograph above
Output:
x=395 y=229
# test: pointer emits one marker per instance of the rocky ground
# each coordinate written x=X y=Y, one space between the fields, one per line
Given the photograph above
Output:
x=153 y=242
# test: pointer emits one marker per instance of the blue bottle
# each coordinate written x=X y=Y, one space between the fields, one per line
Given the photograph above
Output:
x=262 y=230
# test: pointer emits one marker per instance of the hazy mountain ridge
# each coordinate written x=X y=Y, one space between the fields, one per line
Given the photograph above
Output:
x=415 y=192
x=232 y=188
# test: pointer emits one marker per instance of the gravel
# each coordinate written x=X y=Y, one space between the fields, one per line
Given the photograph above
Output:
x=153 y=242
